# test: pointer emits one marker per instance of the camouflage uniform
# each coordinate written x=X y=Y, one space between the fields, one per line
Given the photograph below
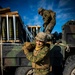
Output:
x=39 y=56
x=49 y=19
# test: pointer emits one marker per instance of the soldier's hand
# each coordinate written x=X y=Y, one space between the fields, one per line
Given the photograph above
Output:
x=26 y=51
x=23 y=46
x=50 y=68
x=67 y=48
x=26 y=45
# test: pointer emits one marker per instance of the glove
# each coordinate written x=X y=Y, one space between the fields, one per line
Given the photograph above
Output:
x=67 y=48
x=28 y=46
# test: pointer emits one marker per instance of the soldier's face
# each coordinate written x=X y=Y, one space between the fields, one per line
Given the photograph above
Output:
x=39 y=43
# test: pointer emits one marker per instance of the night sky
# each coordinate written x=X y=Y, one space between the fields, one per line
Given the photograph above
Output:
x=28 y=10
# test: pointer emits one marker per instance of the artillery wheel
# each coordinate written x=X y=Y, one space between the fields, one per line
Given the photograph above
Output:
x=69 y=68
x=69 y=59
x=24 y=71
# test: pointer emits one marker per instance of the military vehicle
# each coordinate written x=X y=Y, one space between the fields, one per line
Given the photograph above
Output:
x=68 y=35
x=13 y=34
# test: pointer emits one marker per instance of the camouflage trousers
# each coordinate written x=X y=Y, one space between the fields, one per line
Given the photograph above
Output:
x=41 y=72
x=49 y=28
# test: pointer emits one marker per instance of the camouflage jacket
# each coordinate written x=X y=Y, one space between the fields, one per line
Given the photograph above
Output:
x=40 y=58
x=49 y=17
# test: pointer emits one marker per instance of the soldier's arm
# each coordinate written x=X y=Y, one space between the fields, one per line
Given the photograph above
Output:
x=64 y=45
x=39 y=57
x=46 y=16
x=28 y=47
x=53 y=18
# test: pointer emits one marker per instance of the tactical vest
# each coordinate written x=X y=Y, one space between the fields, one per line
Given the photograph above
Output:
x=43 y=64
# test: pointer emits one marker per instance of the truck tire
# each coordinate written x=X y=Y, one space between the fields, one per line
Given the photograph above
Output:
x=69 y=69
x=24 y=71
x=69 y=59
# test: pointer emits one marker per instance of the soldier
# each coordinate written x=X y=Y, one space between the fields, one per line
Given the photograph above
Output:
x=57 y=57
x=49 y=18
x=40 y=54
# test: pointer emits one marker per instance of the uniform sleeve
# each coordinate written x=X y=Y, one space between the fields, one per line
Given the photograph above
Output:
x=46 y=16
x=40 y=55
x=28 y=47
x=66 y=46
x=53 y=18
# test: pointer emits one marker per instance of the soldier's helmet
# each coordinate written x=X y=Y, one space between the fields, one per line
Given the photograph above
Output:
x=40 y=10
x=41 y=36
